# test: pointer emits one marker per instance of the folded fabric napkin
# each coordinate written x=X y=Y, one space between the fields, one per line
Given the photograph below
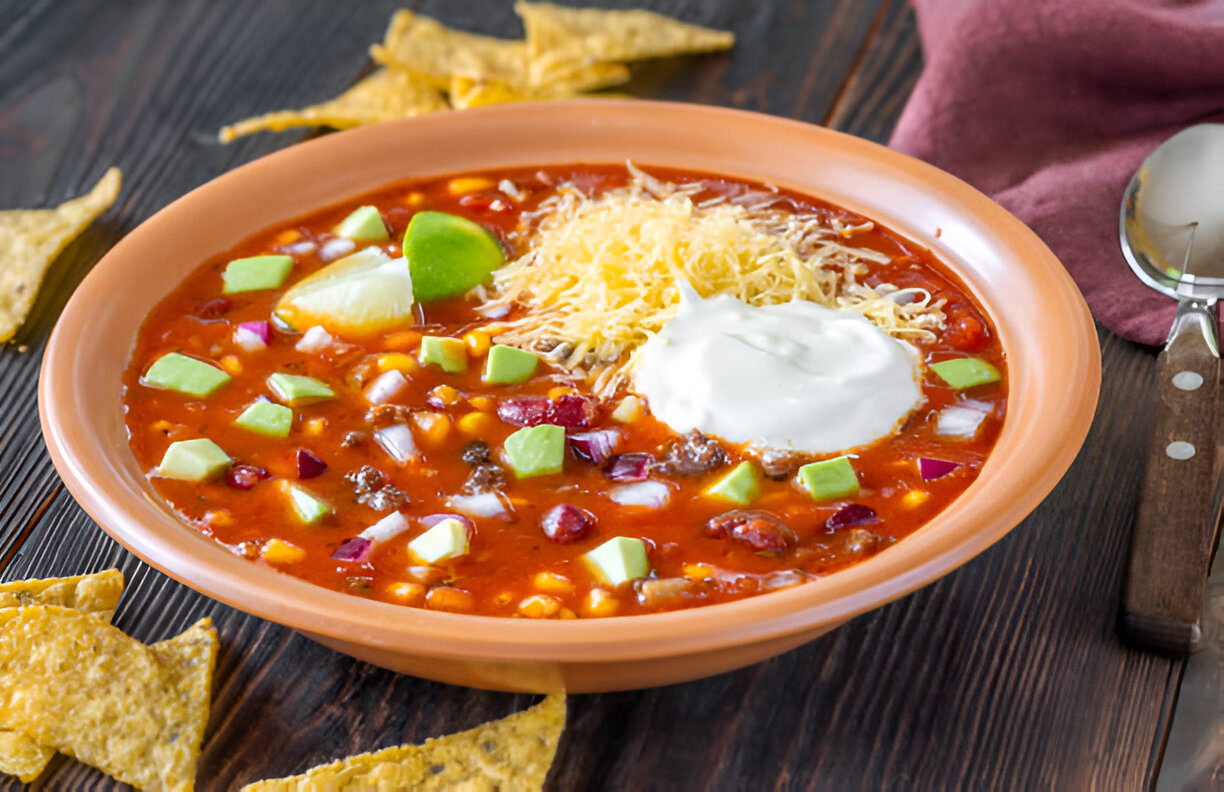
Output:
x=1049 y=106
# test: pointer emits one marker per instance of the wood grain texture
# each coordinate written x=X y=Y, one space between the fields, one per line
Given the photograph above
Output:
x=1007 y=674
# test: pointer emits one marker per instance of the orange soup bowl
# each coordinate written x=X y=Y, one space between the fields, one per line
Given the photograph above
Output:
x=1044 y=326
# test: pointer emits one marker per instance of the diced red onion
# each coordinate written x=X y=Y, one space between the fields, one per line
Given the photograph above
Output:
x=243 y=477
x=298 y=248
x=355 y=549
x=336 y=247
x=931 y=469
x=397 y=441
x=654 y=494
x=483 y=504
x=595 y=446
x=630 y=467
x=530 y=411
x=253 y=336
x=430 y=520
x=386 y=387
x=959 y=421
x=309 y=466
x=852 y=514
x=314 y=340
x=388 y=527
x=571 y=411
x=564 y=523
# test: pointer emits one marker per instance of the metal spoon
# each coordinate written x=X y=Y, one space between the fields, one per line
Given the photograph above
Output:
x=1172 y=233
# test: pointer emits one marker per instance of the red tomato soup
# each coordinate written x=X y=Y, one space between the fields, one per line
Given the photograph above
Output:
x=378 y=461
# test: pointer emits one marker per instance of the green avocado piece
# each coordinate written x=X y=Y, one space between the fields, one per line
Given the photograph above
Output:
x=507 y=365
x=447 y=255
x=617 y=560
x=446 y=539
x=265 y=418
x=829 y=479
x=536 y=450
x=966 y=372
x=193 y=460
x=449 y=353
x=306 y=506
x=295 y=390
x=740 y=486
x=365 y=224
x=256 y=273
x=177 y=372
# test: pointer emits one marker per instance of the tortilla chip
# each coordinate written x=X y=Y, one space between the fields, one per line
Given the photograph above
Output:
x=30 y=239
x=97 y=594
x=385 y=95
x=435 y=52
x=22 y=757
x=76 y=684
x=560 y=39
x=514 y=753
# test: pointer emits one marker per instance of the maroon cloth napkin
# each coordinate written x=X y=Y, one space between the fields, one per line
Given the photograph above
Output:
x=1049 y=106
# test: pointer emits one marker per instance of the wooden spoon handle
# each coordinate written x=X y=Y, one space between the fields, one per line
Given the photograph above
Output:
x=1166 y=578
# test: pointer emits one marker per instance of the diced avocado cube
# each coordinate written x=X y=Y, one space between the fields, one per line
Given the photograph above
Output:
x=829 y=479
x=617 y=560
x=449 y=353
x=536 y=450
x=363 y=225
x=966 y=372
x=507 y=365
x=447 y=255
x=741 y=485
x=306 y=506
x=294 y=389
x=256 y=273
x=177 y=372
x=265 y=418
x=193 y=460
x=447 y=539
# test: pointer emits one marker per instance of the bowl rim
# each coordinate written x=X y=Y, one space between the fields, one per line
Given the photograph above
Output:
x=207 y=567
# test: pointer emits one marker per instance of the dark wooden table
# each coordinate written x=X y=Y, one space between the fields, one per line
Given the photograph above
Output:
x=1007 y=674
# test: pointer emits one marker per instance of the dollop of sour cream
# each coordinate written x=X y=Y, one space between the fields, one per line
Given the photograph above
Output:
x=792 y=376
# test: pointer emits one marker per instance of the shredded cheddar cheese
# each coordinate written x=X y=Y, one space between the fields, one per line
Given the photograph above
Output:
x=603 y=274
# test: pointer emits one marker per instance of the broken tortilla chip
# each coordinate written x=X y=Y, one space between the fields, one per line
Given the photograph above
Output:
x=31 y=239
x=384 y=95
x=22 y=757
x=514 y=753
x=74 y=683
x=561 y=39
x=428 y=48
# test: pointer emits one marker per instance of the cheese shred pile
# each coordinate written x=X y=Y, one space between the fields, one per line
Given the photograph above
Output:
x=603 y=274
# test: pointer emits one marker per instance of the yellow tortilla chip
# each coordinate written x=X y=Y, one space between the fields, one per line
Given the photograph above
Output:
x=30 y=239
x=22 y=757
x=560 y=39
x=385 y=95
x=514 y=753
x=428 y=48
x=76 y=684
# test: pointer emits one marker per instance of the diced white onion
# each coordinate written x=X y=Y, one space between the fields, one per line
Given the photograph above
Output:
x=248 y=341
x=314 y=340
x=388 y=527
x=336 y=247
x=298 y=248
x=386 y=387
x=959 y=421
x=397 y=441
x=643 y=493
x=484 y=504
x=509 y=188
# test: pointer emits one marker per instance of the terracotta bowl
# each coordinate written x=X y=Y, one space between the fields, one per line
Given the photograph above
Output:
x=1043 y=323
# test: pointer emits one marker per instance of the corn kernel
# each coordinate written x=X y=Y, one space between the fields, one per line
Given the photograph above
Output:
x=483 y=403
x=503 y=598
x=561 y=390
x=231 y=364
x=539 y=606
x=477 y=342
x=468 y=184
x=476 y=424
x=288 y=237
x=448 y=598
x=600 y=602
x=398 y=361
x=552 y=583
x=434 y=427
x=698 y=571
x=407 y=593
x=446 y=395
x=315 y=426
x=628 y=411
x=414 y=199
x=566 y=613
x=161 y=425
x=279 y=552
x=915 y=498
x=219 y=518
x=405 y=339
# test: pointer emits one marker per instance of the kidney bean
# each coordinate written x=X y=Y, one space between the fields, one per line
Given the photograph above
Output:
x=565 y=523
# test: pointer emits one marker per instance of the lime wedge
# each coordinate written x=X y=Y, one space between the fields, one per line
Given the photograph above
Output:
x=358 y=296
x=448 y=255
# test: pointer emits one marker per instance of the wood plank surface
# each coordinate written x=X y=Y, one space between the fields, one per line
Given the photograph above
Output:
x=1007 y=674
